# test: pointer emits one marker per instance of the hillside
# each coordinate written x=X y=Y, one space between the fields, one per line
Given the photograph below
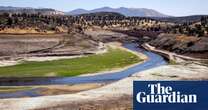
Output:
x=184 y=19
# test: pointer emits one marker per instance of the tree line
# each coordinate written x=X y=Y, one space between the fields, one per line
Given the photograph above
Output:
x=104 y=19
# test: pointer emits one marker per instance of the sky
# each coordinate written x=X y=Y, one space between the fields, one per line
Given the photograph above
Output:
x=169 y=7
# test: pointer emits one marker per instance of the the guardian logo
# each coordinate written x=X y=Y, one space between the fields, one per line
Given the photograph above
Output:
x=170 y=95
x=164 y=94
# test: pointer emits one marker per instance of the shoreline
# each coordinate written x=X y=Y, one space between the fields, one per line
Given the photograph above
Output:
x=170 y=55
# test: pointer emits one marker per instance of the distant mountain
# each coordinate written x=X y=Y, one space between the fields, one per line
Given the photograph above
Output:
x=29 y=10
x=78 y=12
x=106 y=15
x=138 y=12
x=5 y=8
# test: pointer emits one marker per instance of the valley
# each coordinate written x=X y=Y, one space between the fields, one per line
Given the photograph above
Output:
x=89 y=59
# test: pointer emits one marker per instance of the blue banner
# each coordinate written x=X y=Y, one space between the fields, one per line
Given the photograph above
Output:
x=170 y=95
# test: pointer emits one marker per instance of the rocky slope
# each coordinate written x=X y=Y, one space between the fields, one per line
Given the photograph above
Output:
x=182 y=44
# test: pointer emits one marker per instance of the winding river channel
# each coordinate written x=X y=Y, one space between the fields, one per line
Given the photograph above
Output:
x=154 y=60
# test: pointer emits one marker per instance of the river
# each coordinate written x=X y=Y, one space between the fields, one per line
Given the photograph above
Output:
x=154 y=60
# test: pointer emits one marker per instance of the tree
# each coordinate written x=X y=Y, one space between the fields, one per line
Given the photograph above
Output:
x=180 y=30
x=10 y=21
x=5 y=14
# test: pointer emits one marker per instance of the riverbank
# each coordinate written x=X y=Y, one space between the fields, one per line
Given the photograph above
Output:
x=173 y=57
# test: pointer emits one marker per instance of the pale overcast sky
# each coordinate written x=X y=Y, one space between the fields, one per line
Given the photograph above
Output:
x=169 y=7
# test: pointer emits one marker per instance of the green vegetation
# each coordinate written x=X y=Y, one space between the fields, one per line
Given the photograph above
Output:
x=114 y=58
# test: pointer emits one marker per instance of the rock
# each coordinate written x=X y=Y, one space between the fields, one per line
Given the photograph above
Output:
x=200 y=46
x=181 y=44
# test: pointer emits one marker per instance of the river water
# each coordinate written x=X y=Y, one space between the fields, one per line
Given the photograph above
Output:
x=154 y=60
